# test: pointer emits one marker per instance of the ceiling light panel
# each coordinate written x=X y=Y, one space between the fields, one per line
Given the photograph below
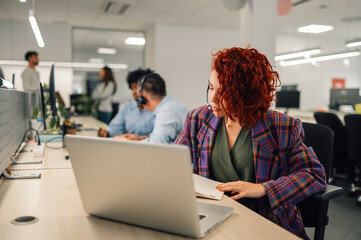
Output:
x=353 y=43
x=135 y=41
x=314 y=28
x=306 y=53
x=104 y=50
x=320 y=58
x=35 y=27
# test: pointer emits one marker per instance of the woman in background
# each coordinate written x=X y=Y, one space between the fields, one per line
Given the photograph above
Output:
x=103 y=94
x=258 y=153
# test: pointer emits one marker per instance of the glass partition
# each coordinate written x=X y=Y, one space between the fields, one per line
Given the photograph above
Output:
x=119 y=56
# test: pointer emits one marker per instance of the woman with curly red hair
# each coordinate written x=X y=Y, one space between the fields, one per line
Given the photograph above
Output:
x=256 y=152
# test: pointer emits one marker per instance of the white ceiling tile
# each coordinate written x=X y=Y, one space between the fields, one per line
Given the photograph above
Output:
x=345 y=15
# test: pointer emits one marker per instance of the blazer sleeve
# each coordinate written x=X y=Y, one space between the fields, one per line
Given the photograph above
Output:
x=306 y=175
x=183 y=137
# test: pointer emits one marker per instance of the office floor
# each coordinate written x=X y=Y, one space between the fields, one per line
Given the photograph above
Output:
x=345 y=217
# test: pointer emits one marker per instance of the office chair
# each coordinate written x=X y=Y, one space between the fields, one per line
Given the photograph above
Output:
x=314 y=209
x=340 y=143
x=353 y=127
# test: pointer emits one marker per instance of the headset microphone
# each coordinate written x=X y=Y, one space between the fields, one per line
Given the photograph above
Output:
x=208 y=105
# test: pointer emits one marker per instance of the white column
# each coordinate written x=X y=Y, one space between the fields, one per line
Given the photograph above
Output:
x=258 y=26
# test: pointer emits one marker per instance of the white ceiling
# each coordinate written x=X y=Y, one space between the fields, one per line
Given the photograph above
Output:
x=140 y=15
x=344 y=15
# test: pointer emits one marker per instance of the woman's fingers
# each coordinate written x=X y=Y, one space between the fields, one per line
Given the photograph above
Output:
x=243 y=189
x=239 y=196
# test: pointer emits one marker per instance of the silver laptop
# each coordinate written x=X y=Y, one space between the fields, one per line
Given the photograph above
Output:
x=144 y=184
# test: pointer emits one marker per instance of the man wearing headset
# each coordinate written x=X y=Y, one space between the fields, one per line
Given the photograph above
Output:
x=131 y=118
x=169 y=113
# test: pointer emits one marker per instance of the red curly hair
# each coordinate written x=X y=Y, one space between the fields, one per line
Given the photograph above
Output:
x=247 y=84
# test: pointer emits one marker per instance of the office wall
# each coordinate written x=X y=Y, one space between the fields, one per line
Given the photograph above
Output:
x=315 y=82
x=19 y=38
x=150 y=47
x=182 y=55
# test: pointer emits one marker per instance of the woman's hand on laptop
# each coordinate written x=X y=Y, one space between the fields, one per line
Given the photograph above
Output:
x=241 y=189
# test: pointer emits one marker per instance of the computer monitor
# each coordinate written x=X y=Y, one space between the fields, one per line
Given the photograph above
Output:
x=42 y=104
x=52 y=94
x=2 y=74
x=288 y=99
x=344 y=96
x=291 y=87
x=13 y=80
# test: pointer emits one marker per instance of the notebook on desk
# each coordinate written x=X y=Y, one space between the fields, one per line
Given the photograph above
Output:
x=144 y=184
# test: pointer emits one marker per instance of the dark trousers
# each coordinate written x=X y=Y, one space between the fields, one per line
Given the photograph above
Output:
x=104 y=116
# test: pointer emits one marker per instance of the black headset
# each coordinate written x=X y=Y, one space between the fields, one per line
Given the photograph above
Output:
x=141 y=99
x=208 y=105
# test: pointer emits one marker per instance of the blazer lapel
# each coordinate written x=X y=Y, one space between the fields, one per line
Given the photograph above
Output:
x=265 y=150
x=205 y=137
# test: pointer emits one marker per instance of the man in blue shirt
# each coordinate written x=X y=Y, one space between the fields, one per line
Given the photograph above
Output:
x=131 y=119
x=169 y=113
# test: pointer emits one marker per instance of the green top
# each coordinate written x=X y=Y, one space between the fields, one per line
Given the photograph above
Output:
x=234 y=165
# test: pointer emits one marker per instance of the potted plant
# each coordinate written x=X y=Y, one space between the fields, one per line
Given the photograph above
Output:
x=52 y=123
x=69 y=126
x=36 y=120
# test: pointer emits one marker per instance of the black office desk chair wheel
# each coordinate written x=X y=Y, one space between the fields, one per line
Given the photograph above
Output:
x=314 y=209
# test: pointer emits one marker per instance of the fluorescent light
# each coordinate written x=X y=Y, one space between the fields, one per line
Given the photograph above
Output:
x=66 y=64
x=35 y=27
x=320 y=59
x=353 y=43
x=96 y=60
x=305 y=53
x=23 y=1
x=135 y=41
x=110 y=51
x=314 y=28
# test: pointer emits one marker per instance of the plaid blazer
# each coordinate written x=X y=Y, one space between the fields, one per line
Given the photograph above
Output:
x=288 y=169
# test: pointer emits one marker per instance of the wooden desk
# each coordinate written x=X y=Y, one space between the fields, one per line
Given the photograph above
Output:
x=55 y=200
x=90 y=125
x=54 y=154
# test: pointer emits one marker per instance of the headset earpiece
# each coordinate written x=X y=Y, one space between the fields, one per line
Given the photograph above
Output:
x=141 y=99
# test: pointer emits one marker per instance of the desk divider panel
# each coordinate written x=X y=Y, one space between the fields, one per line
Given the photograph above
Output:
x=14 y=121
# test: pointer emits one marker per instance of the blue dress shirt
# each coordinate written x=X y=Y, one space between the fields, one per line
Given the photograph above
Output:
x=130 y=120
x=170 y=115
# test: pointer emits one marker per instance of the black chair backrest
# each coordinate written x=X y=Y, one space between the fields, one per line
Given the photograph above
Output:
x=332 y=121
x=320 y=138
x=353 y=127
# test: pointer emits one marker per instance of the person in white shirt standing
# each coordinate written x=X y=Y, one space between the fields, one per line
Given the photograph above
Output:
x=103 y=94
x=31 y=78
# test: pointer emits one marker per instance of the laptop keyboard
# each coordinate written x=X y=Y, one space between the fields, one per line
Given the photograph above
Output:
x=201 y=216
